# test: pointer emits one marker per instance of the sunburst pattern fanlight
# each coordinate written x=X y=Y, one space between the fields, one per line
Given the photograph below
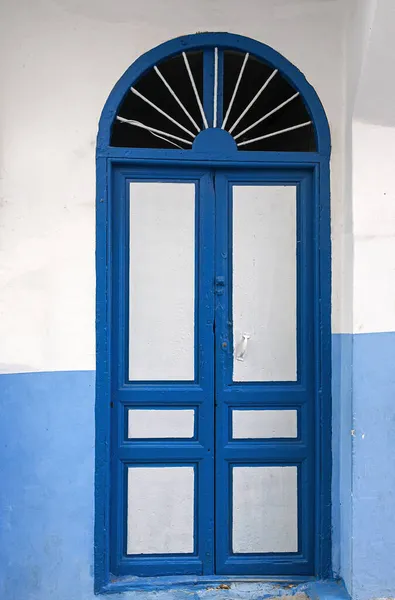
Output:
x=180 y=97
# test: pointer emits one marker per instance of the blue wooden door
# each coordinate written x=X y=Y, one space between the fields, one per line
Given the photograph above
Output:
x=265 y=365
x=212 y=374
x=162 y=303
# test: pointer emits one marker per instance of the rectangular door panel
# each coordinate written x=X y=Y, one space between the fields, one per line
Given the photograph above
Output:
x=160 y=510
x=264 y=424
x=162 y=266
x=264 y=509
x=264 y=282
x=161 y=423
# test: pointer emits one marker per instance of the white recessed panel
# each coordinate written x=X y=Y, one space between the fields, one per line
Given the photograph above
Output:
x=161 y=423
x=265 y=517
x=264 y=283
x=160 y=510
x=162 y=281
x=254 y=424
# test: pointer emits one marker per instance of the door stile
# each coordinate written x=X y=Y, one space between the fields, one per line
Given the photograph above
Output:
x=205 y=500
x=223 y=352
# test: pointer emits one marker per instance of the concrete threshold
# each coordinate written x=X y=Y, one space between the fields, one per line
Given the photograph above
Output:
x=165 y=588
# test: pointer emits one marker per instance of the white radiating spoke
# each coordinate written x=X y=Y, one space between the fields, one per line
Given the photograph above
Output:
x=266 y=116
x=166 y=140
x=162 y=112
x=255 y=98
x=215 y=103
x=176 y=98
x=235 y=90
x=188 y=68
x=153 y=130
x=268 y=135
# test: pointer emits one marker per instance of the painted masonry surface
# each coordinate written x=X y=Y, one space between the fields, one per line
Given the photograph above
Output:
x=62 y=61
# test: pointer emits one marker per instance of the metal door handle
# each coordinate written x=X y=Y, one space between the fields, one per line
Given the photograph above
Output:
x=242 y=347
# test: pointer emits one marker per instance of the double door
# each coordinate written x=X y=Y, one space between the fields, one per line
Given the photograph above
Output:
x=212 y=375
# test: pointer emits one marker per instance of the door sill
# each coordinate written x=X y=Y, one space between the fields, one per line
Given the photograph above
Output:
x=267 y=587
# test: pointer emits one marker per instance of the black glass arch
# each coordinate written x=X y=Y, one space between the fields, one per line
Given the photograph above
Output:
x=182 y=95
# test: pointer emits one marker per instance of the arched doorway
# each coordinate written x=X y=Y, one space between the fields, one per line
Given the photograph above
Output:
x=213 y=260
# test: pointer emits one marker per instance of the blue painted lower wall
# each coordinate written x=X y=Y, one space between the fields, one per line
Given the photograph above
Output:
x=373 y=529
x=47 y=483
x=363 y=486
x=342 y=348
x=46 y=492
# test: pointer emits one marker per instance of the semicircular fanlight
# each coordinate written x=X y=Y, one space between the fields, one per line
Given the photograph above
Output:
x=171 y=103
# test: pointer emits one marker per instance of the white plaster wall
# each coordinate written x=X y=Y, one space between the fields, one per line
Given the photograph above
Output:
x=374 y=227
x=359 y=29
x=371 y=91
x=368 y=275
x=59 y=61
x=376 y=88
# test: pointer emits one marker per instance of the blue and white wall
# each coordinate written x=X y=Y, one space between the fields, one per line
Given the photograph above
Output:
x=59 y=60
x=368 y=528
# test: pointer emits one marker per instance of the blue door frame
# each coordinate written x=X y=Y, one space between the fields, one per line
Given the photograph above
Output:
x=311 y=172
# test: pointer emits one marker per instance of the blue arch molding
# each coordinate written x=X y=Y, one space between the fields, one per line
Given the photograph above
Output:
x=222 y=153
x=208 y=40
